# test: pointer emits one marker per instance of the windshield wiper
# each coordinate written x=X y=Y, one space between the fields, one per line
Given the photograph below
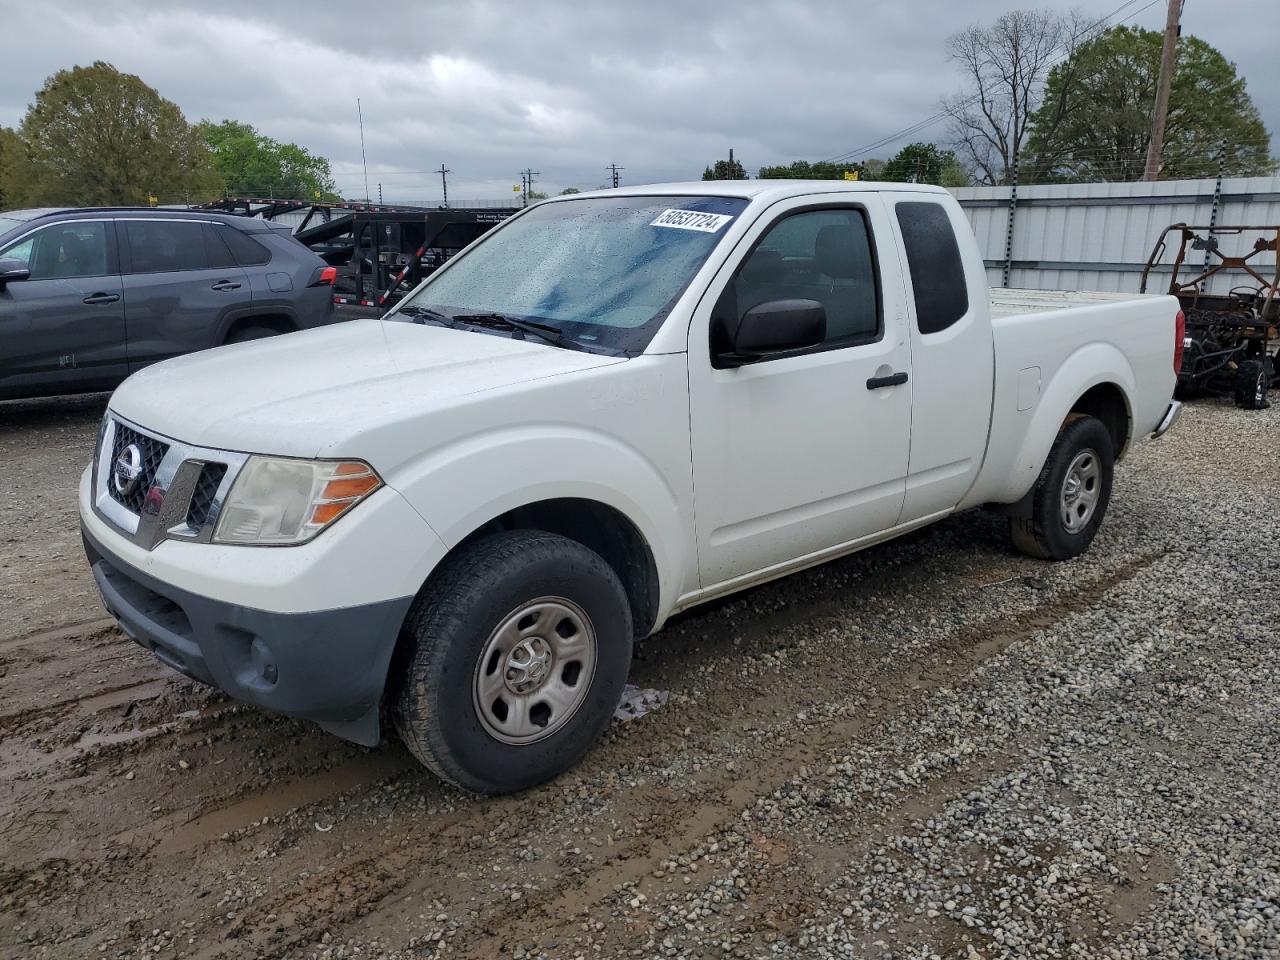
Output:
x=544 y=330
x=423 y=314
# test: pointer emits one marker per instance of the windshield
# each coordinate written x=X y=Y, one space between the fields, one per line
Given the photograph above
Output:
x=604 y=271
x=8 y=223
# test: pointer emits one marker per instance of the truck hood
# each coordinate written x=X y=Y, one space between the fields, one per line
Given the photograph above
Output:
x=315 y=392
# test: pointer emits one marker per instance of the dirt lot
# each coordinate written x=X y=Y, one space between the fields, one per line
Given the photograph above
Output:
x=935 y=748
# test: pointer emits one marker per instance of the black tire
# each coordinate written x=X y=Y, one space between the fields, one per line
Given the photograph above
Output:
x=245 y=334
x=1045 y=533
x=1271 y=365
x=448 y=629
x=1252 y=383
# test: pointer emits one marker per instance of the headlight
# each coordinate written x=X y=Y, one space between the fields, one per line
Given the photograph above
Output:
x=279 y=501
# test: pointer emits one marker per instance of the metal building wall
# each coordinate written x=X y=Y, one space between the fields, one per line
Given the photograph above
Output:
x=1097 y=236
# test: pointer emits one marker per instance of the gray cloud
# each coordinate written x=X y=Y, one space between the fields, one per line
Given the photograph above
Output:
x=660 y=87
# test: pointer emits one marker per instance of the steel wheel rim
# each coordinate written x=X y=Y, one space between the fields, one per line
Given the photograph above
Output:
x=1081 y=489
x=534 y=671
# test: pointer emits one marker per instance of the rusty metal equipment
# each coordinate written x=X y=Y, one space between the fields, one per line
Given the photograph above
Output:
x=1230 y=347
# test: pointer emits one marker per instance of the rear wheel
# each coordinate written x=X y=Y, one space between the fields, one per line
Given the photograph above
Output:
x=516 y=656
x=1252 y=382
x=1071 y=495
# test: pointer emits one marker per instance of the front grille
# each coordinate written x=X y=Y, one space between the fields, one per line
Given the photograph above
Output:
x=153 y=452
x=206 y=488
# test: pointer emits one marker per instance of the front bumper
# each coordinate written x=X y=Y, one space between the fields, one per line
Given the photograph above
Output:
x=329 y=666
x=1170 y=418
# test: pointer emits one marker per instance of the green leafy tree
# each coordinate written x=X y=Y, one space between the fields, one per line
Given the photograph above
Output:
x=15 y=172
x=804 y=170
x=925 y=163
x=1095 y=119
x=97 y=136
x=254 y=164
x=725 y=170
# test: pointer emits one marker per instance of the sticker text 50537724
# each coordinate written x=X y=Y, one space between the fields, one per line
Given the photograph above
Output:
x=691 y=220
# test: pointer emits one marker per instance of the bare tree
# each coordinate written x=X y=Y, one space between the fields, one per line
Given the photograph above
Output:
x=1005 y=66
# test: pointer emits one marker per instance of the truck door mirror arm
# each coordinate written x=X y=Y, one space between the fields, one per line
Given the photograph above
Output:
x=774 y=328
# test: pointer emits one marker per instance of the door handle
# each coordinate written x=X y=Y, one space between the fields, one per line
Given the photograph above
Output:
x=227 y=285
x=102 y=298
x=893 y=380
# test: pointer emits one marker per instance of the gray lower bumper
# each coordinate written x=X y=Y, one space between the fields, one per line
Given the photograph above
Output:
x=329 y=666
x=1170 y=418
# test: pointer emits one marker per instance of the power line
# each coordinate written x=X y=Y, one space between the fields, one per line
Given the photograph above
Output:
x=615 y=169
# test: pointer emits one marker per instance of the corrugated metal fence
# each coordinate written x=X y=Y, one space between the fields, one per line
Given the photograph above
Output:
x=1097 y=236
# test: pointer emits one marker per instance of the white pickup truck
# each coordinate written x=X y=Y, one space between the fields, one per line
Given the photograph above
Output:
x=611 y=408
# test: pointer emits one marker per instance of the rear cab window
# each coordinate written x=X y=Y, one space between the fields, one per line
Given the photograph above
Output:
x=938 y=282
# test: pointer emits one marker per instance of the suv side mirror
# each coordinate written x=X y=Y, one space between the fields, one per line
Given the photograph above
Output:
x=776 y=327
x=13 y=270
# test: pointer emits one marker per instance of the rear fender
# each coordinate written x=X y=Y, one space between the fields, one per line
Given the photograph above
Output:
x=1089 y=366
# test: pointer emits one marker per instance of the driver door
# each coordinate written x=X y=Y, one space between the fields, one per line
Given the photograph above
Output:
x=797 y=456
x=62 y=329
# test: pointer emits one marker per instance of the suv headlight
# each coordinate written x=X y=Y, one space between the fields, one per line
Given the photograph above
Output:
x=279 y=501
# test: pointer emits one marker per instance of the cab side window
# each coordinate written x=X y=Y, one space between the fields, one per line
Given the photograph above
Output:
x=822 y=255
x=933 y=257
x=77 y=248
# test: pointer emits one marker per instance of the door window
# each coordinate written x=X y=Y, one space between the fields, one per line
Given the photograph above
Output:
x=77 y=248
x=822 y=255
x=163 y=246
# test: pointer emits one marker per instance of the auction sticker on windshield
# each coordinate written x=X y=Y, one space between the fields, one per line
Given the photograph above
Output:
x=692 y=220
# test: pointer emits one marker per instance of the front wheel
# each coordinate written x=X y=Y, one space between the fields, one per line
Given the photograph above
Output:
x=515 y=659
x=1071 y=495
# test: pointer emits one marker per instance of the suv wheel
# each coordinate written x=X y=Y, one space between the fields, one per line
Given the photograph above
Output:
x=515 y=659
x=1071 y=495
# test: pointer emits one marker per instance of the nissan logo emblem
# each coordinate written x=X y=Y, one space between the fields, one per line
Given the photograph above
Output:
x=127 y=470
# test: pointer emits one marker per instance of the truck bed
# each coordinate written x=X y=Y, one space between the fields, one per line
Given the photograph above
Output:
x=1010 y=301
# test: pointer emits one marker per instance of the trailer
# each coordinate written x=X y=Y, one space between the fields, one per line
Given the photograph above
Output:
x=381 y=251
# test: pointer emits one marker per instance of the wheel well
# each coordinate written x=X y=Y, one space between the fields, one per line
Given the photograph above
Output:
x=273 y=321
x=598 y=527
x=1107 y=403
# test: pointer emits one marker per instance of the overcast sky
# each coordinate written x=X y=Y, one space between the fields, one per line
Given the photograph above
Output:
x=661 y=88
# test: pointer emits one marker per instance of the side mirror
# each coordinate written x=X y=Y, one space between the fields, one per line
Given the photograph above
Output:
x=776 y=327
x=13 y=270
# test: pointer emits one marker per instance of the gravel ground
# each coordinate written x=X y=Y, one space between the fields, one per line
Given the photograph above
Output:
x=936 y=748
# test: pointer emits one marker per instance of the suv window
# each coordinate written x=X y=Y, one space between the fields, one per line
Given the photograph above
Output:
x=822 y=255
x=76 y=248
x=248 y=252
x=933 y=257
x=161 y=246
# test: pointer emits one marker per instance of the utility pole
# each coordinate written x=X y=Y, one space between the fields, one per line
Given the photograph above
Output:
x=1172 y=29
x=526 y=177
x=614 y=169
x=444 y=182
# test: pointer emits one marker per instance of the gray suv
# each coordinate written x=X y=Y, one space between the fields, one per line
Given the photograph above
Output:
x=88 y=296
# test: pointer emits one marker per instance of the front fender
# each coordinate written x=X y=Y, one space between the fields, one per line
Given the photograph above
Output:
x=1090 y=365
x=460 y=486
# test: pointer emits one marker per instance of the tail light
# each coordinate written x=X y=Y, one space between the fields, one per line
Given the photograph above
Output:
x=1179 y=335
x=324 y=277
